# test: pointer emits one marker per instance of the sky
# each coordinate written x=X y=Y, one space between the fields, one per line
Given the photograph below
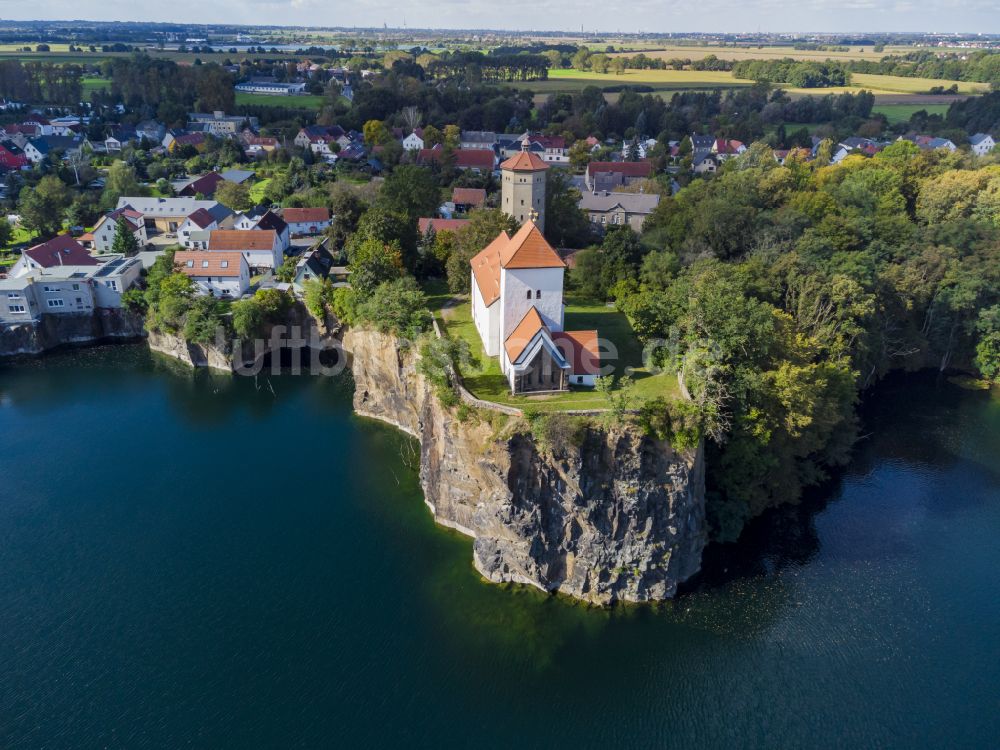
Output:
x=835 y=16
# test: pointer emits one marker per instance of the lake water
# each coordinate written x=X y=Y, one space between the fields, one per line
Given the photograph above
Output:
x=196 y=561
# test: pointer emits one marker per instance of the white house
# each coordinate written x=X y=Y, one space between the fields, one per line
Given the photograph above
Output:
x=59 y=252
x=306 y=221
x=517 y=306
x=260 y=247
x=414 y=141
x=218 y=274
x=982 y=144
x=114 y=278
x=107 y=228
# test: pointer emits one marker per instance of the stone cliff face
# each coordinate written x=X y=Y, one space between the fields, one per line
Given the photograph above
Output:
x=59 y=330
x=619 y=518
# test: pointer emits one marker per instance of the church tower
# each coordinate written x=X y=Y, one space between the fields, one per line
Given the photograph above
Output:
x=522 y=191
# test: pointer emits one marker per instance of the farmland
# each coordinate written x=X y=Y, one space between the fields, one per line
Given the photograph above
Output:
x=887 y=89
x=306 y=101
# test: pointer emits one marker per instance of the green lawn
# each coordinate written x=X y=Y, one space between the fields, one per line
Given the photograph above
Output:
x=483 y=378
x=902 y=112
x=257 y=190
x=90 y=85
x=306 y=101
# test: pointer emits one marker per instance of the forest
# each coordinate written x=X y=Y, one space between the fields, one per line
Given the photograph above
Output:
x=783 y=292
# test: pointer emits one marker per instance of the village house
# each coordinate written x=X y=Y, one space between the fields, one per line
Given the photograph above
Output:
x=193 y=232
x=465 y=199
x=707 y=164
x=981 y=144
x=219 y=123
x=608 y=175
x=218 y=274
x=59 y=252
x=164 y=215
x=414 y=141
x=12 y=156
x=204 y=185
x=929 y=143
x=517 y=307
x=106 y=229
x=38 y=149
x=304 y=222
x=474 y=160
x=701 y=146
x=618 y=209
x=260 y=248
x=478 y=140
x=440 y=225
x=314 y=265
x=258 y=145
x=265 y=220
x=175 y=141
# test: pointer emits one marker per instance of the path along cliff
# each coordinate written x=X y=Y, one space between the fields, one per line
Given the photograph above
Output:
x=614 y=516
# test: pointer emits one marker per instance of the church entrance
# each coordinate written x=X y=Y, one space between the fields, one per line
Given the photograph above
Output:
x=543 y=374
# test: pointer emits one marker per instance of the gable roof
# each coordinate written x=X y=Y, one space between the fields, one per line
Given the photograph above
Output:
x=441 y=225
x=524 y=161
x=193 y=263
x=271 y=220
x=201 y=218
x=627 y=168
x=206 y=184
x=529 y=249
x=523 y=333
x=306 y=215
x=633 y=203
x=486 y=269
x=241 y=239
x=61 y=251
x=473 y=196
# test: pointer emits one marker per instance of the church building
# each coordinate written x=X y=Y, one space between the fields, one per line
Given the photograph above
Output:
x=517 y=306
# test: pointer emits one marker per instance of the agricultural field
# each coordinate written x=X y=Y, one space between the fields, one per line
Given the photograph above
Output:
x=696 y=52
x=90 y=85
x=895 y=113
x=887 y=89
x=306 y=101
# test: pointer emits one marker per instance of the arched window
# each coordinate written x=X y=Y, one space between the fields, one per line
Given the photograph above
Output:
x=538 y=294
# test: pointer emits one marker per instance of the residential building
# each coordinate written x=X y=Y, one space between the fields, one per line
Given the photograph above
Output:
x=313 y=265
x=522 y=188
x=193 y=231
x=608 y=175
x=106 y=229
x=982 y=144
x=204 y=185
x=219 y=274
x=475 y=160
x=707 y=164
x=219 y=123
x=12 y=156
x=265 y=219
x=466 y=199
x=38 y=149
x=164 y=214
x=517 y=307
x=59 y=252
x=478 y=140
x=414 y=141
x=306 y=221
x=618 y=209
x=929 y=143
x=701 y=146
x=440 y=225
x=260 y=248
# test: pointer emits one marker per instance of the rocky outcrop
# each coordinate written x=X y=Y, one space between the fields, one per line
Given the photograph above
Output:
x=53 y=331
x=617 y=516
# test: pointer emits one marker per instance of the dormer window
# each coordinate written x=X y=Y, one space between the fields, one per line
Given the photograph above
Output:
x=190 y=264
x=224 y=264
x=204 y=264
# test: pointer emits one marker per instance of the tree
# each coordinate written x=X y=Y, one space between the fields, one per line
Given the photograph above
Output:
x=121 y=181
x=375 y=133
x=483 y=227
x=125 y=242
x=374 y=262
x=565 y=224
x=43 y=207
x=234 y=195
x=6 y=231
x=411 y=191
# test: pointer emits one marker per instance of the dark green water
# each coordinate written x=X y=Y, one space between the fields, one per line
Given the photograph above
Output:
x=188 y=561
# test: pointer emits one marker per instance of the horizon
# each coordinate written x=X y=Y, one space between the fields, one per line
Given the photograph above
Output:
x=763 y=16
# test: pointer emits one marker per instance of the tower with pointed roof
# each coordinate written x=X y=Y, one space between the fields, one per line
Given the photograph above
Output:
x=522 y=187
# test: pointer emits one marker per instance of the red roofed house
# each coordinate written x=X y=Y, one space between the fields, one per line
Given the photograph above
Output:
x=219 y=274
x=466 y=199
x=261 y=247
x=305 y=221
x=475 y=159
x=59 y=251
x=517 y=306
x=609 y=175
x=205 y=185
x=12 y=157
x=441 y=225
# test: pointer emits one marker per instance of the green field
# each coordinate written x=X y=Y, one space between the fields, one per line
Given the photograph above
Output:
x=257 y=190
x=483 y=378
x=306 y=101
x=90 y=85
x=896 y=113
x=888 y=89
